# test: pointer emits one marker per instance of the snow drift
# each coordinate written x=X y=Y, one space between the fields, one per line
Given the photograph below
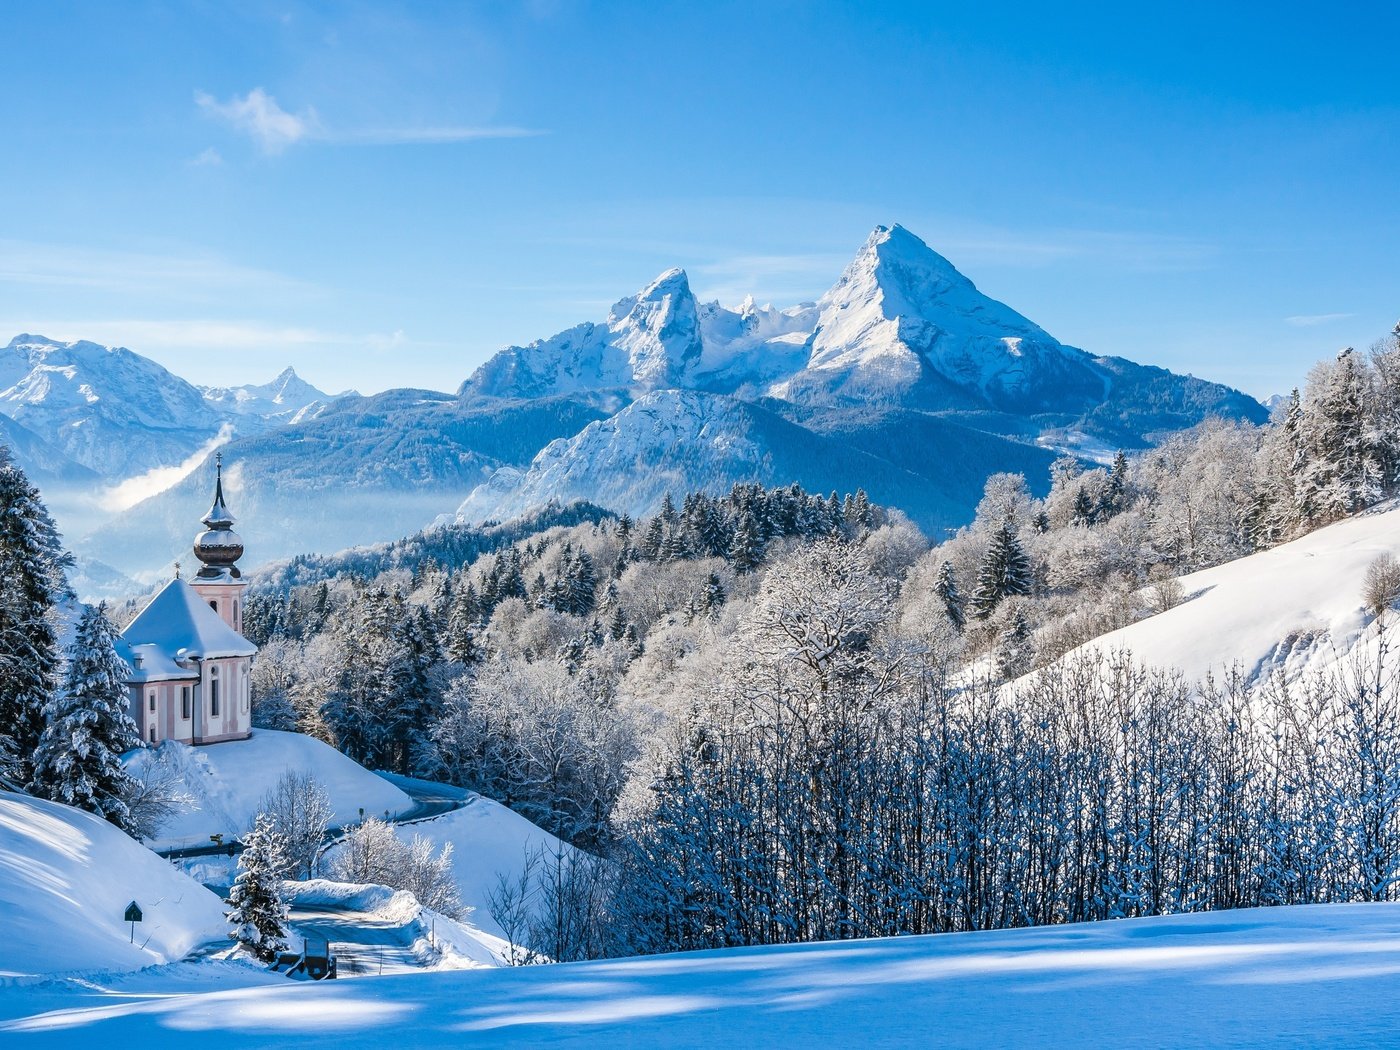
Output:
x=66 y=878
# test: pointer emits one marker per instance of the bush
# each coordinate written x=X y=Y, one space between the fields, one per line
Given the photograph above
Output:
x=1381 y=589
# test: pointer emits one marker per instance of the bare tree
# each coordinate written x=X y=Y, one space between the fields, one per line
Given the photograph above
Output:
x=301 y=811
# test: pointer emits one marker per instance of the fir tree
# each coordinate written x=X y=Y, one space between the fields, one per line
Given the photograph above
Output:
x=1006 y=571
x=946 y=587
x=746 y=552
x=31 y=568
x=257 y=909
x=78 y=760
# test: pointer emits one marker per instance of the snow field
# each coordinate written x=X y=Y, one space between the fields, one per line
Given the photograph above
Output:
x=66 y=878
x=1319 y=976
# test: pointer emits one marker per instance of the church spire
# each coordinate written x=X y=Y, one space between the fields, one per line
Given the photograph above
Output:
x=218 y=547
x=218 y=516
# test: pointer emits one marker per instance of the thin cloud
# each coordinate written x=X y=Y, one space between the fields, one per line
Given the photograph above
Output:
x=208 y=158
x=188 y=277
x=258 y=115
x=1313 y=320
x=425 y=136
x=207 y=334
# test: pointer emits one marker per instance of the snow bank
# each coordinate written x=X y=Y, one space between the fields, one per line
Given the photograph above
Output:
x=1321 y=976
x=1295 y=608
x=66 y=878
x=228 y=782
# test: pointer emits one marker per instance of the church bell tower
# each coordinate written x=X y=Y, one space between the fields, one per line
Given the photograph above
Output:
x=218 y=549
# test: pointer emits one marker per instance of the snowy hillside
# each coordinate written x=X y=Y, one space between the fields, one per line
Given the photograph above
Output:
x=66 y=878
x=1294 y=607
x=488 y=841
x=228 y=781
x=680 y=441
x=1322 y=976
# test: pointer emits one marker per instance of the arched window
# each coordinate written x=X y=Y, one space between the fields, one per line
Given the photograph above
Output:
x=153 y=734
x=152 y=699
x=213 y=692
x=214 y=605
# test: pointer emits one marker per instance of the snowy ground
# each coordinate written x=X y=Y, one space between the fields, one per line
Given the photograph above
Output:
x=1295 y=607
x=66 y=878
x=228 y=782
x=1321 y=976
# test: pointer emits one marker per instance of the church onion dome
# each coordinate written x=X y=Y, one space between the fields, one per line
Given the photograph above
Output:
x=219 y=547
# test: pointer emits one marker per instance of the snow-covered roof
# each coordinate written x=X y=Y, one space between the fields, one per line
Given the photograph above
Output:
x=149 y=663
x=179 y=624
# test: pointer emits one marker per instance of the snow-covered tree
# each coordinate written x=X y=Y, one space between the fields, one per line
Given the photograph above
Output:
x=257 y=908
x=1005 y=571
x=31 y=579
x=946 y=587
x=300 y=811
x=78 y=760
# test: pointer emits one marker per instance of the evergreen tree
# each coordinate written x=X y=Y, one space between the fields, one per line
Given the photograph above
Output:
x=1006 y=571
x=461 y=642
x=946 y=587
x=31 y=568
x=257 y=909
x=746 y=552
x=78 y=760
x=1116 y=498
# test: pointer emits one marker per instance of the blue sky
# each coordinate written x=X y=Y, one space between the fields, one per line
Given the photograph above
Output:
x=383 y=195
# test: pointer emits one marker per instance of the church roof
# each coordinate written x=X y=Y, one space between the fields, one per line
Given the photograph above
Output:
x=178 y=625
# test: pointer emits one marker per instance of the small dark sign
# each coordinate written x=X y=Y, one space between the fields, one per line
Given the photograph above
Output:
x=133 y=913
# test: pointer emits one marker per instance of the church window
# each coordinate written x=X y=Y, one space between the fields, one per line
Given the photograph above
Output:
x=152 y=699
x=153 y=734
x=214 y=606
x=213 y=692
x=184 y=701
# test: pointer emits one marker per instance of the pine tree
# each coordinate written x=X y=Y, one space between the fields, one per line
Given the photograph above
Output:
x=31 y=569
x=257 y=909
x=78 y=760
x=747 y=549
x=946 y=587
x=1006 y=571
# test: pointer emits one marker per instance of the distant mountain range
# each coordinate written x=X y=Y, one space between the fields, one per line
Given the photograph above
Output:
x=902 y=379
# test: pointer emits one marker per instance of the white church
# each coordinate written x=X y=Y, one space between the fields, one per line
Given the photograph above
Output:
x=190 y=664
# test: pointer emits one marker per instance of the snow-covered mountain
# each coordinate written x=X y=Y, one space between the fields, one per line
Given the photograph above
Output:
x=105 y=408
x=287 y=399
x=903 y=323
x=364 y=469
x=679 y=441
x=902 y=362
x=901 y=326
x=903 y=379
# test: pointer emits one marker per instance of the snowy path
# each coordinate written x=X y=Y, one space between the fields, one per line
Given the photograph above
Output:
x=362 y=944
x=1322 y=976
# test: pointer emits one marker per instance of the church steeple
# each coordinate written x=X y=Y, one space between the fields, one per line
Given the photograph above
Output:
x=218 y=547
